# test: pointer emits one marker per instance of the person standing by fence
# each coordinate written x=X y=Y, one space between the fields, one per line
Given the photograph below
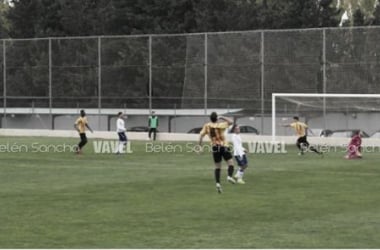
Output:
x=153 y=125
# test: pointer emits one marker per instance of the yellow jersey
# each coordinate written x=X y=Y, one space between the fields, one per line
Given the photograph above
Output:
x=299 y=127
x=81 y=123
x=215 y=132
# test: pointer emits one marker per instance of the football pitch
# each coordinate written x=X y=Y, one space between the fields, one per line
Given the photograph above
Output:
x=169 y=200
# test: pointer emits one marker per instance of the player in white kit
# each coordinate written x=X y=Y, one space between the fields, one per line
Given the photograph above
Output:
x=239 y=153
x=120 y=129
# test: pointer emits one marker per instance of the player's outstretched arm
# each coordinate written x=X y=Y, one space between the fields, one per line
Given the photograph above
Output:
x=89 y=128
x=228 y=120
x=310 y=132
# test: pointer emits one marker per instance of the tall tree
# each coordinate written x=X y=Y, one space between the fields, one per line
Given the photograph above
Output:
x=376 y=14
x=153 y=16
x=41 y=18
x=329 y=15
x=24 y=17
x=358 y=18
x=4 y=23
x=279 y=14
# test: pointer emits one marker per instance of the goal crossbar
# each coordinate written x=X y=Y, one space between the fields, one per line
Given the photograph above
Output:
x=323 y=95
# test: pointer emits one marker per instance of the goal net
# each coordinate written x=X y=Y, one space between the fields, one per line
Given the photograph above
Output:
x=327 y=115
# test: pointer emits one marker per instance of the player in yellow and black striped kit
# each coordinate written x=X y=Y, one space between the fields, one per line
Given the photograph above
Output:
x=300 y=129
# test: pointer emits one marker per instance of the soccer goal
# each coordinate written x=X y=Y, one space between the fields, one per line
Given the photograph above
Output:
x=326 y=114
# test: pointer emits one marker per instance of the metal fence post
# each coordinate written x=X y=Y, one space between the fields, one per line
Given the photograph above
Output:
x=99 y=80
x=150 y=73
x=205 y=72
x=4 y=84
x=50 y=87
x=262 y=80
x=324 y=77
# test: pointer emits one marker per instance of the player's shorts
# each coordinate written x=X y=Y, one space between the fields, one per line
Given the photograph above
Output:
x=302 y=140
x=219 y=152
x=83 y=137
x=122 y=136
x=241 y=160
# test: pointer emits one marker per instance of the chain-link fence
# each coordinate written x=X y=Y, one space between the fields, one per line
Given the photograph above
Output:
x=233 y=71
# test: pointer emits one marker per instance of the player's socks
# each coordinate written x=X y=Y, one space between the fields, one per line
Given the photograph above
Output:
x=217 y=175
x=121 y=147
x=230 y=170
x=241 y=173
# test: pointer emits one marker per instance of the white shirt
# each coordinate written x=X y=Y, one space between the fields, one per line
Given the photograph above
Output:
x=227 y=133
x=238 y=146
x=120 y=127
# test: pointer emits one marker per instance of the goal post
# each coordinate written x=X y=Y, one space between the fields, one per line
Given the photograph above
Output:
x=324 y=103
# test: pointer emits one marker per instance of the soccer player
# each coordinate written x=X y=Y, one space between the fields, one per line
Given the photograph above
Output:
x=300 y=129
x=355 y=146
x=239 y=153
x=152 y=124
x=215 y=131
x=120 y=129
x=80 y=125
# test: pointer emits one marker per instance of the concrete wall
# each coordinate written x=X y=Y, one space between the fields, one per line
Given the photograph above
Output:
x=65 y=122
x=369 y=122
x=179 y=137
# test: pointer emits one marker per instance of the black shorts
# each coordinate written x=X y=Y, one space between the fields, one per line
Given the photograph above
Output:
x=219 y=152
x=302 y=139
x=241 y=160
x=83 y=136
x=122 y=136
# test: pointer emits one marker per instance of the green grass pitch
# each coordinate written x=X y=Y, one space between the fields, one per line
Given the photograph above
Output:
x=169 y=200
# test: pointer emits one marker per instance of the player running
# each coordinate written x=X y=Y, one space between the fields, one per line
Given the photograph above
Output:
x=300 y=129
x=80 y=125
x=215 y=131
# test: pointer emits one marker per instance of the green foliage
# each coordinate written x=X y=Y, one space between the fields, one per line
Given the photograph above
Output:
x=358 y=18
x=329 y=15
x=376 y=14
x=177 y=66
x=41 y=18
x=4 y=22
